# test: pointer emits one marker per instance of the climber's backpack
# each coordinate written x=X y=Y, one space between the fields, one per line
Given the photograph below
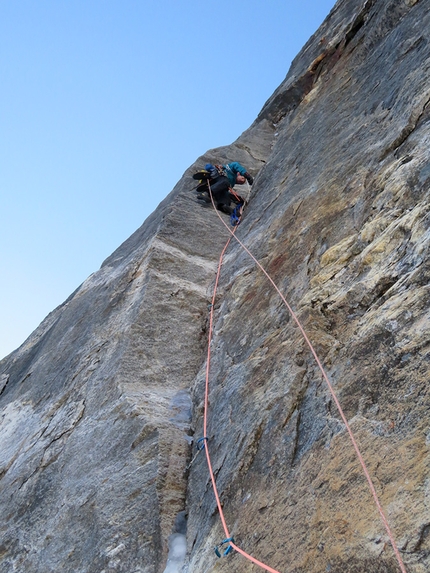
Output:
x=203 y=176
x=209 y=172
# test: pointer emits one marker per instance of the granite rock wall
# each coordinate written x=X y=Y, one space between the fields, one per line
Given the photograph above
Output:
x=100 y=407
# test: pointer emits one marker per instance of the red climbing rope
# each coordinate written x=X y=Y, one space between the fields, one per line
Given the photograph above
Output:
x=205 y=415
x=345 y=421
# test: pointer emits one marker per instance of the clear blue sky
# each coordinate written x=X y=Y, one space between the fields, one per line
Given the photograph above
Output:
x=102 y=108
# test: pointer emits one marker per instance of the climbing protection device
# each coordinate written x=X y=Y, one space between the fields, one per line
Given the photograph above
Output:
x=200 y=444
x=226 y=551
x=325 y=376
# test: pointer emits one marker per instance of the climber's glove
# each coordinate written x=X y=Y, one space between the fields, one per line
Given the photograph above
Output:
x=249 y=178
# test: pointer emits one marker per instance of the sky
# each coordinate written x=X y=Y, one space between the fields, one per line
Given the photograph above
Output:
x=103 y=106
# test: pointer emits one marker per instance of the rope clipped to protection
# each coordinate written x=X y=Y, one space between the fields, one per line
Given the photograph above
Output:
x=229 y=548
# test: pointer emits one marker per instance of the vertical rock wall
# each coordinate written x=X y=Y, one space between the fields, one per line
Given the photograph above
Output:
x=340 y=219
x=100 y=405
x=95 y=406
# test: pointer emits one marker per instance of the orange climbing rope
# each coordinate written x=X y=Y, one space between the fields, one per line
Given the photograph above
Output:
x=229 y=539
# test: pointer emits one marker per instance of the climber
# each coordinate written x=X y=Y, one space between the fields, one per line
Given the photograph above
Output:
x=222 y=179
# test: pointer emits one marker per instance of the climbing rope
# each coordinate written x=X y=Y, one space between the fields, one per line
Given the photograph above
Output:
x=229 y=539
x=206 y=402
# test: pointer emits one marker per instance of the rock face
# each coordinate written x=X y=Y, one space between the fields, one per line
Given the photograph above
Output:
x=99 y=407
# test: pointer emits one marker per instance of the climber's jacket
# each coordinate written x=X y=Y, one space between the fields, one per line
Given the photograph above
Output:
x=230 y=170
